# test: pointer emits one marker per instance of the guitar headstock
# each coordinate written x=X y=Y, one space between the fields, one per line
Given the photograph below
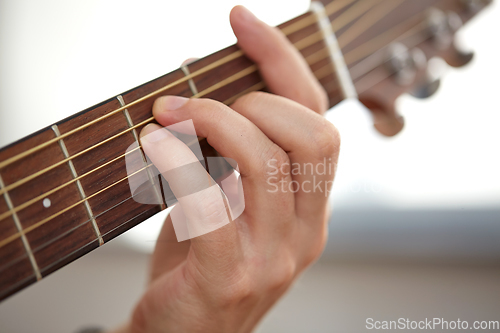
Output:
x=391 y=58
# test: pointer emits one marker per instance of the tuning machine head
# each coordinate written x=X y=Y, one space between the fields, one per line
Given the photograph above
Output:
x=404 y=63
x=442 y=27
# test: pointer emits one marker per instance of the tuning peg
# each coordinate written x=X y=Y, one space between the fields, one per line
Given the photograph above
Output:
x=427 y=89
x=456 y=57
x=443 y=27
x=429 y=82
x=386 y=119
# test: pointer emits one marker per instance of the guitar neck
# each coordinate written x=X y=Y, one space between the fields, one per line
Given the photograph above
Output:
x=64 y=190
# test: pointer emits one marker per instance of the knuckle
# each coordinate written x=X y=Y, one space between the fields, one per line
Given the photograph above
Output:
x=282 y=276
x=316 y=250
x=325 y=139
x=138 y=320
x=277 y=164
x=237 y=292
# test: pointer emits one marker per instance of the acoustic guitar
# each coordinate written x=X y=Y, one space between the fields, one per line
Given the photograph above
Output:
x=64 y=190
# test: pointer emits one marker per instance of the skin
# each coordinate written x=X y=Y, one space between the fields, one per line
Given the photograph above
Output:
x=228 y=279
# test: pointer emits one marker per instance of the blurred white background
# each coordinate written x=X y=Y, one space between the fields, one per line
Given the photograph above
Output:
x=430 y=195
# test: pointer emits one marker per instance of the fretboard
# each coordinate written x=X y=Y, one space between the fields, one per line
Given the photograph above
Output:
x=64 y=190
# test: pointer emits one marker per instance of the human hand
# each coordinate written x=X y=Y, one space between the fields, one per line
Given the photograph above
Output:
x=226 y=280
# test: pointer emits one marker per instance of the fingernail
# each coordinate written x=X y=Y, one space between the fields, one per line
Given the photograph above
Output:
x=247 y=15
x=153 y=133
x=170 y=103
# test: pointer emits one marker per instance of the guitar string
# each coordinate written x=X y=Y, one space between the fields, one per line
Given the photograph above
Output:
x=52 y=264
x=373 y=66
x=367 y=65
x=349 y=59
x=78 y=226
x=309 y=40
x=326 y=70
x=367 y=21
x=259 y=86
x=311 y=60
x=354 y=12
x=227 y=81
x=300 y=45
x=15 y=236
x=330 y=9
x=47 y=243
x=369 y=47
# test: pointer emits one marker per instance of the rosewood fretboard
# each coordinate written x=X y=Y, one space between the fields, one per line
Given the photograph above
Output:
x=101 y=211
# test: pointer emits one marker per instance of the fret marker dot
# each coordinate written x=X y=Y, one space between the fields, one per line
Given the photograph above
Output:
x=46 y=203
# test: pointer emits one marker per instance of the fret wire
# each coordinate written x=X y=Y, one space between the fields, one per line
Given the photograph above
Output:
x=32 y=201
x=21 y=232
x=203 y=70
x=35 y=250
x=388 y=73
x=130 y=123
x=191 y=83
x=15 y=236
x=27 y=179
x=38 y=224
x=72 y=253
x=222 y=83
x=249 y=69
x=352 y=59
x=215 y=64
x=32 y=227
x=7 y=240
x=81 y=191
x=415 y=29
x=42 y=222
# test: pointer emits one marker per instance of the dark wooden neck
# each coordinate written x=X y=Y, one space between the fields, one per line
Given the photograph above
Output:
x=67 y=198
x=35 y=241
